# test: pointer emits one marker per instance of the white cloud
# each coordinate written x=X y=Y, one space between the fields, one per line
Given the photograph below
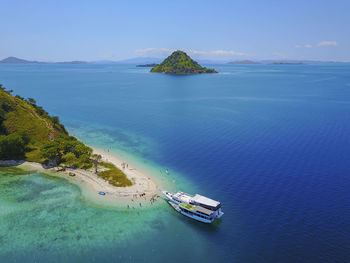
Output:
x=166 y=51
x=153 y=51
x=196 y=52
x=228 y=52
x=303 y=46
x=327 y=44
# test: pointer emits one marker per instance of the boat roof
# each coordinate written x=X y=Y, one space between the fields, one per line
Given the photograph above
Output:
x=184 y=197
x=203 y=210
x=205 y=200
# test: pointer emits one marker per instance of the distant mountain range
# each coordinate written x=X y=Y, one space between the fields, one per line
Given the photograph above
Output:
x=282 y=62
x=137 y=60
x=17 y=60
x=152 y=65
x=72 y=62
x=243 y=62
x=14 y=60
x=150 y=60
x=140 y=60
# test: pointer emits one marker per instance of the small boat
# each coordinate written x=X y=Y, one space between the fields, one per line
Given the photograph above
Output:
x=71 y=174
x=101 y=193
x=197 y=207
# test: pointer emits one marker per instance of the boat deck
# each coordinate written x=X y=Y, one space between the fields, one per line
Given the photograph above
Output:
x=175 y=206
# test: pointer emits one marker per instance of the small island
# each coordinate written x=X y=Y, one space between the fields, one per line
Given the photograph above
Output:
x=180 y=63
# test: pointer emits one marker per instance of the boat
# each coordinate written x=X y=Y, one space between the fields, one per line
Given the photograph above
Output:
x=101 y=193
x=197 y=207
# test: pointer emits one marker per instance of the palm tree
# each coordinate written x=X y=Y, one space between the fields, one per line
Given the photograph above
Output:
x=96 y=158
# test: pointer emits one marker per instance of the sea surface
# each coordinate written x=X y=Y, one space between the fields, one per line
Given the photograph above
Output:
x=271 y=142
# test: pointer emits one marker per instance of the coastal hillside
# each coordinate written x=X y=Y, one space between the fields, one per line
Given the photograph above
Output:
x=28 y=132
x=180 y=63
x=23 y=119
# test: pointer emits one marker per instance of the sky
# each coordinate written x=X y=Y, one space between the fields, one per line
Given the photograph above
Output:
x=93 y=30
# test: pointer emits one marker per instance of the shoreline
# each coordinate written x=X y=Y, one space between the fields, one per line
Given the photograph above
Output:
x=143 y=193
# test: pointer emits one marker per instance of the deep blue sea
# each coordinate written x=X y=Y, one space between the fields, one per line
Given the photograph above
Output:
x=271 y=142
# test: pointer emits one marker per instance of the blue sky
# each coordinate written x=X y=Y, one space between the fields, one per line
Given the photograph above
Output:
x=221 y=30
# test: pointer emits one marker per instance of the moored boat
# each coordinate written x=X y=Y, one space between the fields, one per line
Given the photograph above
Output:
x=197 y=207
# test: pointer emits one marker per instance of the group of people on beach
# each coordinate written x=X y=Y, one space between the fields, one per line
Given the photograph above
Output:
x=125 y=165
x=152 y=199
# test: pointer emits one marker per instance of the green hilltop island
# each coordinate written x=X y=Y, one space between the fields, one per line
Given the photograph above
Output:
x=180 y=63
x=29 y=133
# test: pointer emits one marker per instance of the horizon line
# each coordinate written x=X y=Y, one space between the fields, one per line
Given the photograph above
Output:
x=27 y=61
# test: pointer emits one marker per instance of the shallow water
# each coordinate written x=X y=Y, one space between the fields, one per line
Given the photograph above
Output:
x=271 y=142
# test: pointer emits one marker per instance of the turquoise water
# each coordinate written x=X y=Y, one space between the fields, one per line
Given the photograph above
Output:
x=271 y=142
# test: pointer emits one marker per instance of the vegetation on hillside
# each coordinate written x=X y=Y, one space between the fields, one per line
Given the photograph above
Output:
x=28 y=124
x=28 y=132
x=67 y=150
x=13 y=146
x=180 y=63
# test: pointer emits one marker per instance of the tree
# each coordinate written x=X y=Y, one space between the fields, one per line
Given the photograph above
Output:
x=32 y=101
x=80 y=149
x=19 y=97
x=55 y=120
x=96 y=158
x=52 y=152
x=40 y=110
x=84 y=161
x=63 y=148
x=12 y=147
x=70 y=159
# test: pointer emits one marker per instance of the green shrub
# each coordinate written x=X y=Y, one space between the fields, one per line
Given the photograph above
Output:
x=12 y=147
x=114 y=176
x=67 y=149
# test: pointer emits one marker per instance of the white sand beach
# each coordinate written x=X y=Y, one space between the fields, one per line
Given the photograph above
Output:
x=143 y=193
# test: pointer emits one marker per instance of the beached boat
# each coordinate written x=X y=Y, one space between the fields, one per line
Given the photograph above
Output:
x=197 y=207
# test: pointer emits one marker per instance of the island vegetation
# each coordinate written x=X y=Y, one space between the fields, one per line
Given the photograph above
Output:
x=28 y=132
x=180 y=63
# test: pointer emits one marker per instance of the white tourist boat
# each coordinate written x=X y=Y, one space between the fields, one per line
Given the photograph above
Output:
x=197 y=207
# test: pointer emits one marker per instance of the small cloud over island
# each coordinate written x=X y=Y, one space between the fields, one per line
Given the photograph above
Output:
x=303 y=46
x=159 y=52
x=320 y=44
x=328 y=44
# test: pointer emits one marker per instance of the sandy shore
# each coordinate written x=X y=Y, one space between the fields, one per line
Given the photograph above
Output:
x=144 y=191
